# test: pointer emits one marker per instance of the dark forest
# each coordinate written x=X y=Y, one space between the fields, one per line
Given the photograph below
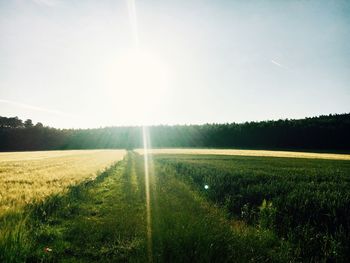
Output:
x=323 y=133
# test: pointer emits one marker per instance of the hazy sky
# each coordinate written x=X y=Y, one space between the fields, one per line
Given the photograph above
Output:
x=75 y=64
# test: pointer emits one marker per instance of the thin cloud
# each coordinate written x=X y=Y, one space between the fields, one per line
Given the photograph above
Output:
x=278 y=64
x=31 y=107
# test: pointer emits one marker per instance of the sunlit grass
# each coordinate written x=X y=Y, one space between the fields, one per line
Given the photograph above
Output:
x=31 y=176
x=287 y=154
x=105 y=220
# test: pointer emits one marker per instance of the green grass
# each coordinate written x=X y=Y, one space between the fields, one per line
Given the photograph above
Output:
x=95 y=221
x=188 y=228
x=304 y=201
x=256 y=209
x=104 y=220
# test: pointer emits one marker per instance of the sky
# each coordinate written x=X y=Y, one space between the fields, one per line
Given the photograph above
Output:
x=84 y=64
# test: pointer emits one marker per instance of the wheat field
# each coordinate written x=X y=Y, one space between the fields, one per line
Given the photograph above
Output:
x=30 y=176
x=286 y=154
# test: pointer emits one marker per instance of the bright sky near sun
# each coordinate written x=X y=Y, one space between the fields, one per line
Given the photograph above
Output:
x=99 y=63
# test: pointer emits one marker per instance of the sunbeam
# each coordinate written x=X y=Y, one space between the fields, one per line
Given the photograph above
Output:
x=147 y=187
x=136 y=63
x=133 y=22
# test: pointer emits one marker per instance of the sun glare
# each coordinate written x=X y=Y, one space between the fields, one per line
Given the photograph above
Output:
x=139 y=79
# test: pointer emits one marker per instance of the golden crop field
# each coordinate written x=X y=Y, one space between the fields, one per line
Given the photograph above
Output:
x=29 y=176
x=287 y=154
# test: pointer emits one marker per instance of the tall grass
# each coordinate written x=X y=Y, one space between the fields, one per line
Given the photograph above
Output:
x=104 y=220
x=304 y=201
x=31 y=176
x=188 y=228
x=25 y=235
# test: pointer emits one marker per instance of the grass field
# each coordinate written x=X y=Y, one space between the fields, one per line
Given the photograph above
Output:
x=203 y=208
x=304 y=201
x=29 y=176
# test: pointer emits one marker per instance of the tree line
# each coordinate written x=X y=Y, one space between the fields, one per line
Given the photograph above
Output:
x=326 y=132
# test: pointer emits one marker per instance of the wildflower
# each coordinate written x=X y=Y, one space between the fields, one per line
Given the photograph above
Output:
x=47 y=249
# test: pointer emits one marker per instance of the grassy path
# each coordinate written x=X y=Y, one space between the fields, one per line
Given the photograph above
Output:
x=187 y=228
x=97 y=221
x=105 y=221
x=108 y=225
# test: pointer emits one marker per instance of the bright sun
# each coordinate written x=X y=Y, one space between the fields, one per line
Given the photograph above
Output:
x=139 y=80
